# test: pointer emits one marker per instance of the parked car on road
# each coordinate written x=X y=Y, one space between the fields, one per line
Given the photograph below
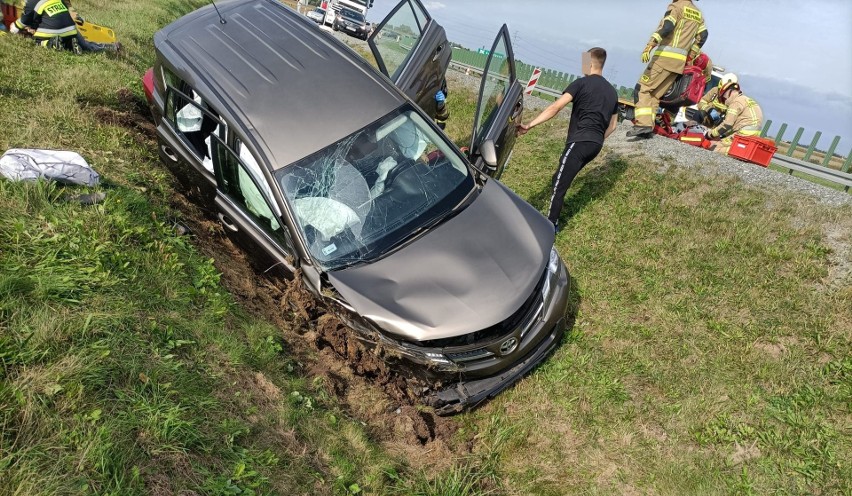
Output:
x=352 y=23
x=317 y=15
x=407 y=240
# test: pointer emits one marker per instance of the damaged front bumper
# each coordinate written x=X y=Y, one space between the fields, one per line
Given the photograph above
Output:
x=458 y=378
x=469 y=392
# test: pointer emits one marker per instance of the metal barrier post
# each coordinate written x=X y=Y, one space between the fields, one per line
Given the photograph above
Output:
x=811 y=148
x=780 y=135
x=795 y=143
x=848 y=162
x=830 y=153
x=765 y=129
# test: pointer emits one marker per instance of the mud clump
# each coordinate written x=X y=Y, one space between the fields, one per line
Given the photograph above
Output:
x=366 y=363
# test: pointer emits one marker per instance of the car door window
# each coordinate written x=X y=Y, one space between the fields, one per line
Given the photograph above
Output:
x=496 y=82
x=239 y=177
x=396 y=39
x=194 y=122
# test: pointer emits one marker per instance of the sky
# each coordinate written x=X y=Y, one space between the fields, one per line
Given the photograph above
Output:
x=793 y=56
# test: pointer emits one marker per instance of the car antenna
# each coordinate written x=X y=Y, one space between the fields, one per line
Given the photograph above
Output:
x=221 y=19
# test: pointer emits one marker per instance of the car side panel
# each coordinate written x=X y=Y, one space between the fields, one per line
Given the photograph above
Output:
x=424 y=72
x=500 y=123
x=197 y=182
x=427 y=68
x=265 y=255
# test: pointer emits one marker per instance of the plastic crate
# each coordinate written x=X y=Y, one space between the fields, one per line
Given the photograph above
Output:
x=753 y=149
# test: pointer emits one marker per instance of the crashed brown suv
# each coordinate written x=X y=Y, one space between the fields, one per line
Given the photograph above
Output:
x=317 y=163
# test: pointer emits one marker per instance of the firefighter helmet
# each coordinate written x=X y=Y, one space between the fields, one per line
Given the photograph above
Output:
x=728 y=78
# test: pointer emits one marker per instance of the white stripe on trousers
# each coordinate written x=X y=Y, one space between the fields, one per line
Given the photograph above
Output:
x=559 y=175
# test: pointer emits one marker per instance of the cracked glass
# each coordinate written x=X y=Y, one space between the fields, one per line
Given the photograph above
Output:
x=376 y=189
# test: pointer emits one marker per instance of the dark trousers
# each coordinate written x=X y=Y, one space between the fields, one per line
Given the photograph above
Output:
x=576 y=155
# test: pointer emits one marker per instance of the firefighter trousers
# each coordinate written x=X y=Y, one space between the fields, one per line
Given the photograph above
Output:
x=653 y=85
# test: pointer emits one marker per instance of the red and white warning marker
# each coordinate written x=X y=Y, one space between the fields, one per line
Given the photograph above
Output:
x=533 y=80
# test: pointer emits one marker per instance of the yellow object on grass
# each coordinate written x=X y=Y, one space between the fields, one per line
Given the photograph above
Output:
x=93 y=32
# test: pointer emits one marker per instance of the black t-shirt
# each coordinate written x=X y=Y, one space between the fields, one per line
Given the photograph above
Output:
x=595 y=102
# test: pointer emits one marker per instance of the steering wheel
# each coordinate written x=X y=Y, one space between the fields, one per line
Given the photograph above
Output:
x=396 y=171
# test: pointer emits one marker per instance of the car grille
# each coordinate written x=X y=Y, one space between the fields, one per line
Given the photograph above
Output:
x=524 y=316
x=469 y=356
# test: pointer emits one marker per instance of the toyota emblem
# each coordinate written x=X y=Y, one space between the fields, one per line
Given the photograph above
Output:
x=508 y=346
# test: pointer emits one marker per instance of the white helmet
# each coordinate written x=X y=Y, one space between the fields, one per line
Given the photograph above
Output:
x=727 y=79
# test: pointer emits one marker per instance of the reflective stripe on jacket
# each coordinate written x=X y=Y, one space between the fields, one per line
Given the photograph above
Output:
x=711 y=100
x=673 y=48
x=744 y=117
x=48 y=18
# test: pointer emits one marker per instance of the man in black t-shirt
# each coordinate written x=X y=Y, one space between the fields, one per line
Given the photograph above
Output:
x=593 y=118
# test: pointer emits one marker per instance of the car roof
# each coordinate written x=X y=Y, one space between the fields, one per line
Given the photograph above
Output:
x=295 y=88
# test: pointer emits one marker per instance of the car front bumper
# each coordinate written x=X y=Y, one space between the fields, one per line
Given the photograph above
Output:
x=469 y=392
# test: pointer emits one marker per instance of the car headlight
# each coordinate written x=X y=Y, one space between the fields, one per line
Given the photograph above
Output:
x=552 y=274
x=414 y=353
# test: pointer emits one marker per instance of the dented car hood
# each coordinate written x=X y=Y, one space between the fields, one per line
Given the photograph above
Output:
x=469 y=273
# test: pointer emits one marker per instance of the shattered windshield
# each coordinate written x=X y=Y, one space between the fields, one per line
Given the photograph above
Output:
x=364 y=195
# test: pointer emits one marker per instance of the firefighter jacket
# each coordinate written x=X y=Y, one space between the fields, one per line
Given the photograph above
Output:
x=710 y=100
x=680 y=29
x=744 y=117
x=48 y=18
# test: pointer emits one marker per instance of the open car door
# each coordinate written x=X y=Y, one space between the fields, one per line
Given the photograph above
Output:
x=498 y=111
x=412 y=50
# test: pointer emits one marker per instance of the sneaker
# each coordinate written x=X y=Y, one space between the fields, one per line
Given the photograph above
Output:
x=640 y=131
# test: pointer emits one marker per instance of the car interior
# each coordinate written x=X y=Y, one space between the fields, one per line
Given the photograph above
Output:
x=370 y=184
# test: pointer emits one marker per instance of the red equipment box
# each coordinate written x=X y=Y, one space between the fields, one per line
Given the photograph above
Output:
x=753 y=149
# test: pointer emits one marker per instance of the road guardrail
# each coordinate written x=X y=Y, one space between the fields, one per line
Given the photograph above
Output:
x=824 y=173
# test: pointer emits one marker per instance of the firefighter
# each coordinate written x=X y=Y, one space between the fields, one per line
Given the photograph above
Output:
x=50 y=23
x=442 y=113
x=744 y=118
x=666 y=54
x=711 y=111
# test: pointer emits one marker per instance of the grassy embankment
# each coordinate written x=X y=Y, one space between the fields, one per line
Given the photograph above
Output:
x=711 y=352
x=125 y=368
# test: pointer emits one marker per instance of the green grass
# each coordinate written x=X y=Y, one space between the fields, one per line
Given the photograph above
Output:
x=710 y=353
x=125 y=367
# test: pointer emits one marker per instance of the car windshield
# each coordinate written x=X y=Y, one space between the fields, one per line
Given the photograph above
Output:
x=351 y=14
x=371 y=191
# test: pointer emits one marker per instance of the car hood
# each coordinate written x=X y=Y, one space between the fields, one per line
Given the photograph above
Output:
x=469 y=273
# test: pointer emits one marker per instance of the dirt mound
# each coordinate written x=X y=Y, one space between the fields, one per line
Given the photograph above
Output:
x=127 y=111
x=358 y=377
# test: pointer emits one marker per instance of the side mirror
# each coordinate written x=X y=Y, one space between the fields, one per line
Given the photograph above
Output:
x=488 y=152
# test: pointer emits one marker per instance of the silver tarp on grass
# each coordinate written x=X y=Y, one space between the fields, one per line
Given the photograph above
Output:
x=20 y=164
